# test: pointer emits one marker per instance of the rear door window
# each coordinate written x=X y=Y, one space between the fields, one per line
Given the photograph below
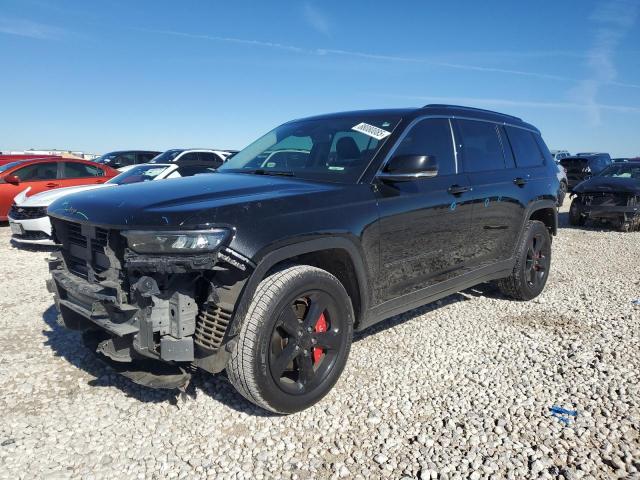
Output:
x=431 y=136
x=80 y=170
x=211 y=158
x=481 y=146
x=525 y=147
x=189 y=157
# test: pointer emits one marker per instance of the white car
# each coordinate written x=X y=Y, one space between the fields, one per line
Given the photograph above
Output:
x=193 y=155
x=28 y=215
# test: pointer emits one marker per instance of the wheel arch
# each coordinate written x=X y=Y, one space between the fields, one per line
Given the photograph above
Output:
x=544 y=211
x=337 y=255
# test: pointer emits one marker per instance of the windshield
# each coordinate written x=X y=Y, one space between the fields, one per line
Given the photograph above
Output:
x=106 y=158
x=139 y=173
x=622 y=171
x=331 y=149
x=7 y=166
x=167 y=156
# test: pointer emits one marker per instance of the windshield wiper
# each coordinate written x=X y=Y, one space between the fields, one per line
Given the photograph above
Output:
x=261 y=171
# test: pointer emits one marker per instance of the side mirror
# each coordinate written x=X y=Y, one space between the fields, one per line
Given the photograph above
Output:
x=12 y=179
x=409 y=167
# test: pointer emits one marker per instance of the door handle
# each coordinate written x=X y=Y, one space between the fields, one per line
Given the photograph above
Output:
x=52 y=185
x=520 y=181
x=458 y=189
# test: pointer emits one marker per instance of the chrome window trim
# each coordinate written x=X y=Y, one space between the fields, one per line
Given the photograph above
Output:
x=450 y=118
x=455 y=147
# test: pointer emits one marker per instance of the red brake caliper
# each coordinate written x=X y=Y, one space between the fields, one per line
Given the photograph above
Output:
x=321 y=326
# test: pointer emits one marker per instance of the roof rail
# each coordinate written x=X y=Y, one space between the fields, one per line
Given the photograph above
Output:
x=461 y=107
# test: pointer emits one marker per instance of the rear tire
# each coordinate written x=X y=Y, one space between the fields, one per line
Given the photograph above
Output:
x=294 y=341
x=576 y=218
x=533 y=261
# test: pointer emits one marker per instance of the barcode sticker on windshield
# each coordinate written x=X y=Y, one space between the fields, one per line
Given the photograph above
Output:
x=371 y=130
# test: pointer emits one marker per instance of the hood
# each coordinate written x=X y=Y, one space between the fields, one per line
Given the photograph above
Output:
x=609 y=184
x=188 y=201
x=44 y=199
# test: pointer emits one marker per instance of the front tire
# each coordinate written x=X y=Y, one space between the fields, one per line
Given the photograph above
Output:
x=294 y=341
x=533 y=261
x=562 y=193
x=576 y=218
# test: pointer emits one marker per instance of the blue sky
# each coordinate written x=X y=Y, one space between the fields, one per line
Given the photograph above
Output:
x=100 y=76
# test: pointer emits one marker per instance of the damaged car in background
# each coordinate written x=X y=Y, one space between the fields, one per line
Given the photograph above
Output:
x=611 y=197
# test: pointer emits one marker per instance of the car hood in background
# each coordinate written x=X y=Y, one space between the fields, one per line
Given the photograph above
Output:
x=44 y=199
x=609 y=184
x=185 y=201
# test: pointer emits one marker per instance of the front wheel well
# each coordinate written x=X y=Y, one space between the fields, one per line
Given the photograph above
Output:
x=338 y=263
x=548 y=216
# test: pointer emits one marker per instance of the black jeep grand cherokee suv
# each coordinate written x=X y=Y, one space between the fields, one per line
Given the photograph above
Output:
x=323 y=226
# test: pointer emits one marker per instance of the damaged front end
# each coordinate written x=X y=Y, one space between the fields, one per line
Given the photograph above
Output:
x=147 y=312
x=621 y=209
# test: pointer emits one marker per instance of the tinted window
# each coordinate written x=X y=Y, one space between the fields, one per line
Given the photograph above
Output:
x=145 y=157
x=80 y=170
x=432 y=137
x=167 y=156
x=124 y=160
x=189 y=157
x=189 y=170
x=599 y=163
x=303 y=148
x=38 y=171
x=524 y=147
x=210 y=158
x=481 y=146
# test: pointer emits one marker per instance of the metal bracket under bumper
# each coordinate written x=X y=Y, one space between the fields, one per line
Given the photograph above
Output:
x=91 y=302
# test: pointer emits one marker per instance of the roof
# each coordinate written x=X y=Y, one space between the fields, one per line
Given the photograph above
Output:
x=53 y=159
x=130 y=151
x=431 y=109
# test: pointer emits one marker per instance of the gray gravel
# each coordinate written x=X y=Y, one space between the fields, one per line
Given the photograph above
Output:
x=461 y=389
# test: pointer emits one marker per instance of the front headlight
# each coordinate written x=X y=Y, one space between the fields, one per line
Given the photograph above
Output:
x=186 y=241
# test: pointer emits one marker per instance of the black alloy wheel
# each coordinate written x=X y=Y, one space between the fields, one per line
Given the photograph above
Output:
x=537 y=261
x=294 y=341
x=305 y=343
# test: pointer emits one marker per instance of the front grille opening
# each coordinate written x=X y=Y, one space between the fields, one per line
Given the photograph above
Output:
x=86 y=248
x=74 y=234
x=27 y=213
x=102 y=237
x=211 y=325
x=609 y=200
x=32 y=235
x=78 y=266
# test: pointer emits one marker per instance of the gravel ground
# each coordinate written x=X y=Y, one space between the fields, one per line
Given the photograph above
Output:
x=460 y=389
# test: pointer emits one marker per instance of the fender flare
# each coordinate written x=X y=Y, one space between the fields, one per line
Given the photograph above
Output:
x=539 y=205
x=534 y=206
x=267 y=261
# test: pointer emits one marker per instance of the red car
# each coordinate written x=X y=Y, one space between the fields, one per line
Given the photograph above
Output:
x=47 y=174
x=4 y=159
